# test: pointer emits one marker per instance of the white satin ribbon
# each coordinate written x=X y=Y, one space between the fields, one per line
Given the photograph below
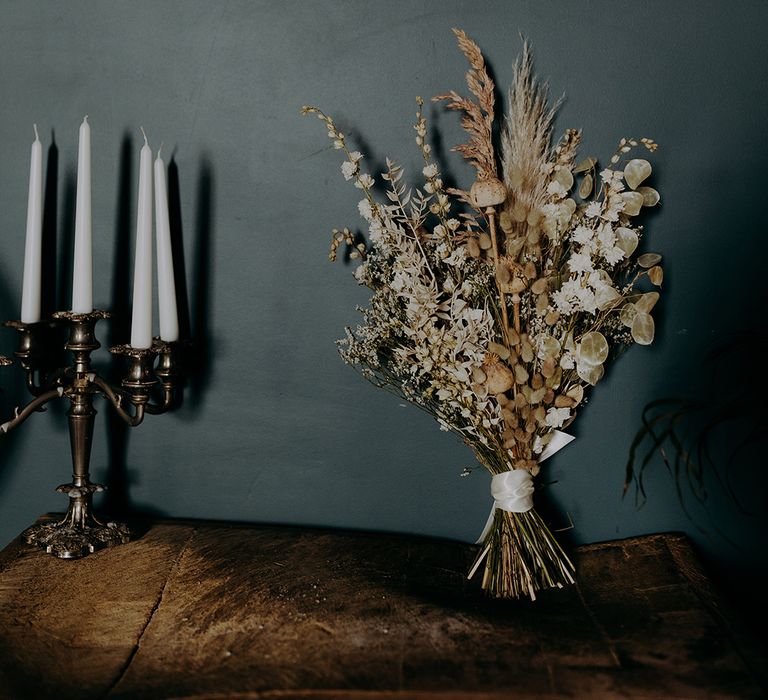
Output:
x=512 y=491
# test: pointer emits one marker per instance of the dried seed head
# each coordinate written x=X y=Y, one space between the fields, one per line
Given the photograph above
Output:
x=564 y=401
x=499 y=377
x=473 y=248
x=552 y=318
x=498 y=349
x=488 y=192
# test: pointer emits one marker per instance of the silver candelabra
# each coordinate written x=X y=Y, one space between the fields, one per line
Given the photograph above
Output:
x=151 y=384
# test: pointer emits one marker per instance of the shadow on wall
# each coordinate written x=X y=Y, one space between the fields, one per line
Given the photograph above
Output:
x=194 y=328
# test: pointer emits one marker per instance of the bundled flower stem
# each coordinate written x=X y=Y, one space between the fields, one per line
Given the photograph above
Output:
x=494 y=309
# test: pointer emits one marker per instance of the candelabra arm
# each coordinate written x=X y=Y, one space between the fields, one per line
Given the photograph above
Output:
x=116 y=399
x=167 y=404
x=44 y=382
x=32 y=387
x=168 y=375
x=34 y=405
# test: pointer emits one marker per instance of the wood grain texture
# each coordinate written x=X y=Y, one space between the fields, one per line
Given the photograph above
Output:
x=204 y=610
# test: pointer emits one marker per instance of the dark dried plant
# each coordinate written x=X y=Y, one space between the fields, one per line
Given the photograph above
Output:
x=703 y=439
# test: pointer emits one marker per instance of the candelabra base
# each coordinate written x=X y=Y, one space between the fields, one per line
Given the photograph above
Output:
x=67 y=542
x=79 y=533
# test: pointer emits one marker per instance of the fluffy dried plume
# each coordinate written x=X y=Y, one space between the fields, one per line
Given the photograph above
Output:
x=478 y=117
x=525 y=141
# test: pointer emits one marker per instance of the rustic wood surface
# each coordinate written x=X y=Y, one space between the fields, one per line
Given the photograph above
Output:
x=205 y=610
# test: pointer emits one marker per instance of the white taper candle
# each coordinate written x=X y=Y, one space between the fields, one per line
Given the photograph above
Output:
x=166 y=288
x=82 y=273
x=141 y=324
x=33 y=249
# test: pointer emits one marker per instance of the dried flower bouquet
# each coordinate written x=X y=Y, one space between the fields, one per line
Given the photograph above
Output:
x=495 y=309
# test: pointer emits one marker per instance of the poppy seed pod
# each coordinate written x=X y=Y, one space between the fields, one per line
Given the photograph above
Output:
x=488 y=192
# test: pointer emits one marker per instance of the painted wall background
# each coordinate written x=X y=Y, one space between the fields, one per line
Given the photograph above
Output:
x=275 y=428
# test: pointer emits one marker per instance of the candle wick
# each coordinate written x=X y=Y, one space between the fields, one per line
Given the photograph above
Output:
x=144 y=133
x=37 y=138
x=159 y=150
x=85 y=119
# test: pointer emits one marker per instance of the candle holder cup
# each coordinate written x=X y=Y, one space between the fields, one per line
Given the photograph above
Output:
x=79 y=532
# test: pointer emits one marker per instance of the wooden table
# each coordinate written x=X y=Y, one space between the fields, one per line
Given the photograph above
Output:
x=207 y=610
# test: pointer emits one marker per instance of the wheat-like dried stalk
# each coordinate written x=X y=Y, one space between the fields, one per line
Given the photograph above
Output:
x=478 y=116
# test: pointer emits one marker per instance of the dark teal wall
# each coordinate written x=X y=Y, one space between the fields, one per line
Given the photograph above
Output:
x=275 y=427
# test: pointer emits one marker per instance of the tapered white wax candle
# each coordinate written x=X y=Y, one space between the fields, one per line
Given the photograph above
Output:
x=82 y=273
x=33 y=250
x=166 y=289
x=141 y=324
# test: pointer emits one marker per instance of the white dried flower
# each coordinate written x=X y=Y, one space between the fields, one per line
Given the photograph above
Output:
x=365 y=181
x=580 y=262
x=593 y=210
x=582 y=234
x=364 y=207
x=557 y=416
x=557 y=190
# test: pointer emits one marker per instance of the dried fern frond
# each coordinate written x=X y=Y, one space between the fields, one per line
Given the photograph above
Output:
x=478 y=116
x=525 y=140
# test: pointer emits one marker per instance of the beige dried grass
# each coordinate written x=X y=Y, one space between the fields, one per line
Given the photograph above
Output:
x=526 y=152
